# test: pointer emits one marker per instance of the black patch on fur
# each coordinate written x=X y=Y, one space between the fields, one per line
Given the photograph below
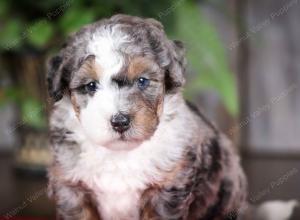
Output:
x=122 y=81
x=172 y=203
x=55 y=62
x=58 y=77
x=215 y=153
x=177 y=196
x=66 y=73
x=223 y=198
x=170 y=84
x=54 y=65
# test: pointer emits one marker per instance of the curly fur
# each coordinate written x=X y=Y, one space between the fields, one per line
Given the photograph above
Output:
x=171 y=164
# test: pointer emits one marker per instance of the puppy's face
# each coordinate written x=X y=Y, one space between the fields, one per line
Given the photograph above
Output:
x=118 y=103
x=117 y=74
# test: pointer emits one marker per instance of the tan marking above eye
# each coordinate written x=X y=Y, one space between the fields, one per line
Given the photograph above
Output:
x=138 y=65
x=90 y=69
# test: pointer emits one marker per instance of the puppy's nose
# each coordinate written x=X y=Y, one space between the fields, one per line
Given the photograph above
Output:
x=120 y=122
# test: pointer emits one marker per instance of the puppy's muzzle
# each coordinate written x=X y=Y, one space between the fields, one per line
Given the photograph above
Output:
x=120 y=122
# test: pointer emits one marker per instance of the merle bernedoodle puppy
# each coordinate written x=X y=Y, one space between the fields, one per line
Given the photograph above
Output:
x=125 y=143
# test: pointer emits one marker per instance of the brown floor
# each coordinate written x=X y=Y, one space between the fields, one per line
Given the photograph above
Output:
x=273 y=179
x=269 y=179
x=22 y=195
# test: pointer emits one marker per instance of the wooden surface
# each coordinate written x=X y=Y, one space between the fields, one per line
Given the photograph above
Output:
x=273 y=34
x=261 y=172
x=22 y=195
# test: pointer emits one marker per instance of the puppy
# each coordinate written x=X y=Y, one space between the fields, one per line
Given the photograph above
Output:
x=125 y=143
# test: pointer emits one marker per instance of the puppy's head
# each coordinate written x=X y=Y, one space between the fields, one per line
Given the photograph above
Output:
x=116 y=72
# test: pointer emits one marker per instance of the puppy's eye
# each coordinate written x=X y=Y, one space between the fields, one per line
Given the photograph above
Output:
x=91 y=87
x=143 y=83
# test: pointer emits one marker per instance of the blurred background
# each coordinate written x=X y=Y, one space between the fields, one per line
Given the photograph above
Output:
x=243 y=72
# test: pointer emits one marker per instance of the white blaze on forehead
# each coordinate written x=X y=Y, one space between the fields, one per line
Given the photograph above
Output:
x=105 y=45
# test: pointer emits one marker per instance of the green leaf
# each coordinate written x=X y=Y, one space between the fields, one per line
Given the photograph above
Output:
x=32 y=112
x=74 y=18
x=206 y=56
x=10 y=36
x=39 y=33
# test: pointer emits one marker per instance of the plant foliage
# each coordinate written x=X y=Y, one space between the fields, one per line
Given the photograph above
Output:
x=37 y=24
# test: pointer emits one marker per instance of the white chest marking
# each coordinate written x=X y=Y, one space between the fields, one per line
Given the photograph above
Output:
x=116 y=179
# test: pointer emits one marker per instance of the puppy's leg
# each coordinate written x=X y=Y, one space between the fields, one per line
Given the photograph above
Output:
x=159 y=204
x=72 y=204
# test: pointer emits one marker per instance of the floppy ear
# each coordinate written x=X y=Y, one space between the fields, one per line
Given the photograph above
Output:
x=175 y=74
x=57 y=77
x=171 y=55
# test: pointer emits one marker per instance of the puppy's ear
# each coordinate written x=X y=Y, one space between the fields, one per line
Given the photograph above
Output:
x=175 y=74
x=155 y=23
x=56 y=77
x=171 y=55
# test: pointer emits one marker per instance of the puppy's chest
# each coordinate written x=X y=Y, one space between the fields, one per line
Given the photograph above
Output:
x=122 y=204
x=116 y=183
